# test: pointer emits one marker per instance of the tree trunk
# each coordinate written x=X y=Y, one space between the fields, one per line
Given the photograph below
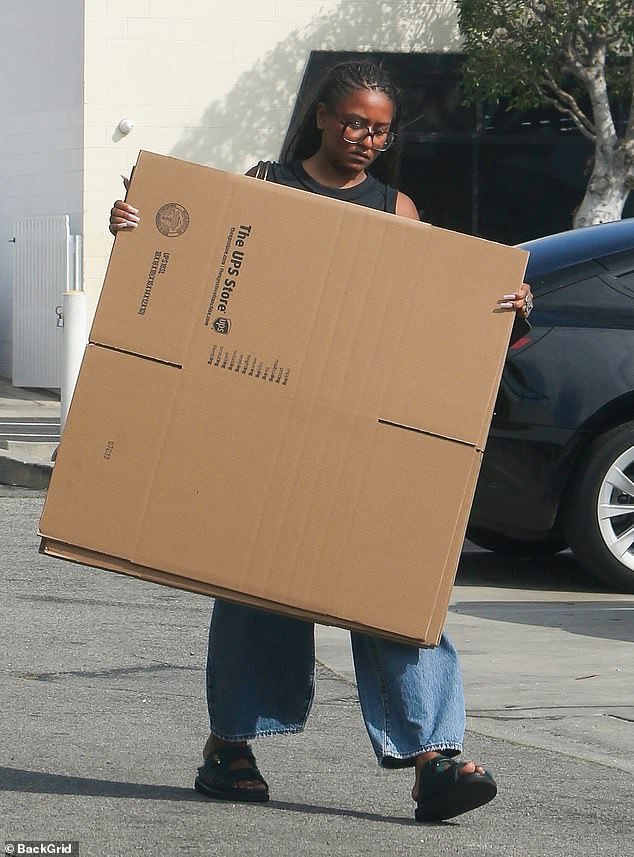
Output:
x=612 y=169
x=607 y=190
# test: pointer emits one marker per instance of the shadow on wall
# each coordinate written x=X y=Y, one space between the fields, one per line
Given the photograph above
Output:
x=250 y=122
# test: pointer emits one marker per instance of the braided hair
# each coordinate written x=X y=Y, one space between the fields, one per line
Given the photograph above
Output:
x=342 y=80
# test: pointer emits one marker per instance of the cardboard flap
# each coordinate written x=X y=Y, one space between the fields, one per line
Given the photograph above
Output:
x=109 y=451
x=262 y=488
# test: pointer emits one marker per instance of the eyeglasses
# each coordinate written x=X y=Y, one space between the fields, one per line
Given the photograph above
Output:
x=354 y=131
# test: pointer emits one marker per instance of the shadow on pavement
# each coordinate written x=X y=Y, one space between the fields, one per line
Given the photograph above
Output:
x=20 y=780
x=610 y=620
x=311 y=809
x=560 y=572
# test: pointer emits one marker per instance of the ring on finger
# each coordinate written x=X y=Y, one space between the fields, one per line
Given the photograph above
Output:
x=528 y=305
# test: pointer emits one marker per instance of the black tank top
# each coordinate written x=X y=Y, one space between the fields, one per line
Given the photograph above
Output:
x=370 y=192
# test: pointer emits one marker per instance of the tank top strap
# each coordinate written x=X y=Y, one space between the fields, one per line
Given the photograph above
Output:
x=391 y=193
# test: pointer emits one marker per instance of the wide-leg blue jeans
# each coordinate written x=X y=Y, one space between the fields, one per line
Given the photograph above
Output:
x=261 y=681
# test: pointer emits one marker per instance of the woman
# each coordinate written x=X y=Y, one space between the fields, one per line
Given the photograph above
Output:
x=260 y=668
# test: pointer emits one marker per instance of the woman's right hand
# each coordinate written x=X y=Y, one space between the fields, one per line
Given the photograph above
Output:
x=122 y=215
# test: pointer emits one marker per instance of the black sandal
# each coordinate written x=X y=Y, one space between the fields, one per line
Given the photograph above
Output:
x=217 y=780
x=443 y=792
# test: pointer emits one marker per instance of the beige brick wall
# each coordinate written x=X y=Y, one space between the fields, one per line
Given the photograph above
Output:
x=214 y=81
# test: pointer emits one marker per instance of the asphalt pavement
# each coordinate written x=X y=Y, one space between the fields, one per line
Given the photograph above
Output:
x=104 y=715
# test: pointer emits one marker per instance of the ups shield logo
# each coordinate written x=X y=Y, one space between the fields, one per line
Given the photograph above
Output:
x=222 y=325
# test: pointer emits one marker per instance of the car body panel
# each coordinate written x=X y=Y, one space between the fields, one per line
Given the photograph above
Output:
x=554 y=252
x=569 y=378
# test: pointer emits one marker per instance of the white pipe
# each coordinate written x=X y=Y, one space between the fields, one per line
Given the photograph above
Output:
x=75 y=339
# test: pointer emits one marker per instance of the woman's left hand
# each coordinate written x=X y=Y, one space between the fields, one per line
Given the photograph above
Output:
x=521 y=302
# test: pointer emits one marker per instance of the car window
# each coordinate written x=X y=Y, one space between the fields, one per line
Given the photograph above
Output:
x=564 y=277
x=596 y=302
x=590 y=293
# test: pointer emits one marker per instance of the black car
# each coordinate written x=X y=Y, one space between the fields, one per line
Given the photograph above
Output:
x=558 y=469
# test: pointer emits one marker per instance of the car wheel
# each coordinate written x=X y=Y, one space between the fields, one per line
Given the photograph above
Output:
x=599 y=509
x=508 y=546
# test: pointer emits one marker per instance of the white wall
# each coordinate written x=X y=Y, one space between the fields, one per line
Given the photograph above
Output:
x=214 y=81
x=41 y=148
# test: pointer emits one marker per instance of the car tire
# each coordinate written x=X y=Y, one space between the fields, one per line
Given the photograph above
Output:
x=596 y=528
x=519 y=548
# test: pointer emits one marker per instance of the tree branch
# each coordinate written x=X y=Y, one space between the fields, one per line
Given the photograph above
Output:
x=593 y=76
x=568 y=104
x=551 y=99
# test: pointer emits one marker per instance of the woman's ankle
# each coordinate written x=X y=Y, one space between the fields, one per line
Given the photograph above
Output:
x=213 y=742
x=426 y=757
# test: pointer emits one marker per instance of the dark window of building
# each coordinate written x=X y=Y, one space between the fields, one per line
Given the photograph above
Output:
x=485 y=170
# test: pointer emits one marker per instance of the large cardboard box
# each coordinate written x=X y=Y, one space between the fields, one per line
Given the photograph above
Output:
x=284 y=402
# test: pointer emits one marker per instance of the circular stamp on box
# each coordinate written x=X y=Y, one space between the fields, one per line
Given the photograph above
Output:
x=172 y=219
x=222 y=325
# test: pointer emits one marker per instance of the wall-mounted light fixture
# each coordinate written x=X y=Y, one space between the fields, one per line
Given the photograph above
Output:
x=125 y=126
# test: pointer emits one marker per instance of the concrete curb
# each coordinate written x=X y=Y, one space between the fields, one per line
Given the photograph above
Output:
x=24 y=471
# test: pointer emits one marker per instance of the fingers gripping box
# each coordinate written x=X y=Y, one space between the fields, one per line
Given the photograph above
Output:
x=284 y=402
